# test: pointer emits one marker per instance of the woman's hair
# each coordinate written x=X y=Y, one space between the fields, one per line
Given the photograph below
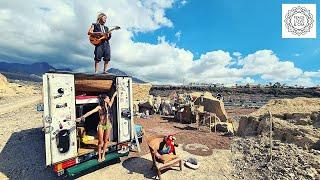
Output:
x=100 y=15
x=101 y=101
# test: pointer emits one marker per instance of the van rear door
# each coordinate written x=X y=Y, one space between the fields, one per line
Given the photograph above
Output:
x=59 y=117
x=124 y=108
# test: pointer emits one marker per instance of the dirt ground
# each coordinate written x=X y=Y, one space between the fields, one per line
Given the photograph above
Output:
x=216 y=167
x=22 y=153
x=186 y=134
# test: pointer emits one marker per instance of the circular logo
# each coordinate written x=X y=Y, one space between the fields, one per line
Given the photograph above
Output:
x=299 y=20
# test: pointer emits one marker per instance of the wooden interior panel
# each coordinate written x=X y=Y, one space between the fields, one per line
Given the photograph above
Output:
x=97 y=85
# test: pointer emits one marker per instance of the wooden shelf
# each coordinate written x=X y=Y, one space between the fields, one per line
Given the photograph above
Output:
x=91 y=142
x=95 y=142
x=83 y=151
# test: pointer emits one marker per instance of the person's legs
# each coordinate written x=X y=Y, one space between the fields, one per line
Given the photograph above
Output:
x=106 y=55
x=100 y=142
x=106 y=141
x=98 y=53
x=96 y=66
x=105 y=67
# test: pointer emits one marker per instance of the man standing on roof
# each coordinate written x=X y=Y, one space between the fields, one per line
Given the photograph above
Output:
x=103 y=49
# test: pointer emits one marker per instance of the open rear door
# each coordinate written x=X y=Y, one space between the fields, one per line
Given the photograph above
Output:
x=59 y=117
x=124 y=108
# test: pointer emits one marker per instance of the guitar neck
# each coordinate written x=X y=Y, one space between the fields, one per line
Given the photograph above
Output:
x=110 y=31
x=100 y=33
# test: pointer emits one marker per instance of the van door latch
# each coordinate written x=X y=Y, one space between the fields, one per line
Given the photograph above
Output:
x=61 y=105
x=48 y=119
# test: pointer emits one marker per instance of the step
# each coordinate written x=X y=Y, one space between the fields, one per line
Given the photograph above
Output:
x=74 y=170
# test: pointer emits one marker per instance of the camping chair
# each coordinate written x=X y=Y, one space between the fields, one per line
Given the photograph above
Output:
x=169 y=160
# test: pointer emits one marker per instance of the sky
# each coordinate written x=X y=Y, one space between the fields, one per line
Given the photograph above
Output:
x=165 y=41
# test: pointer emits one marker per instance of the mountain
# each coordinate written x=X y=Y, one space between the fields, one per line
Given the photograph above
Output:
x=117 y=72
x=35 y=68
x=33 y=72
x=121 y=73
x=27 y=72
x=21 y=76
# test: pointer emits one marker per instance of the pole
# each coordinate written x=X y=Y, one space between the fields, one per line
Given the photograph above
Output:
x=270 y=135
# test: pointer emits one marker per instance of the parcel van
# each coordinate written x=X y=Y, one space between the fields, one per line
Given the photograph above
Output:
x=71 y=147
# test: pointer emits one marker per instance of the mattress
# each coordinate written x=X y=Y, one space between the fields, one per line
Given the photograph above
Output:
x=86 y=99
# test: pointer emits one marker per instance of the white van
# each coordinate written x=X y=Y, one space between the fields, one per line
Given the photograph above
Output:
x=71 y=147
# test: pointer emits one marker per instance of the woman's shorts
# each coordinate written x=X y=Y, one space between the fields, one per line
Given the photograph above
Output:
x=105 y=126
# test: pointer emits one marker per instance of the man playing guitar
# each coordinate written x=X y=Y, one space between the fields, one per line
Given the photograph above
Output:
x=102 y=49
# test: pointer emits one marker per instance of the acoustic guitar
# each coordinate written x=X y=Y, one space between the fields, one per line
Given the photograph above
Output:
x=97 y=37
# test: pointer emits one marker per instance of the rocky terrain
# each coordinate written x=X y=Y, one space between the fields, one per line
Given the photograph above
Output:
x=275 y=90
x=286 y=161
x=293 y=150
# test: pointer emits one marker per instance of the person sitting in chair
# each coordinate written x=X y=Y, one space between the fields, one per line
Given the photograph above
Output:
x=167 y=146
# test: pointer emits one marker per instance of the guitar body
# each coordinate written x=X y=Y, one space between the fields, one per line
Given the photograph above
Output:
x=96 y=40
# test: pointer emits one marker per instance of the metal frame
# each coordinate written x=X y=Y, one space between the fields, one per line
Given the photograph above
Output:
x=46 y=89
x=46 y=111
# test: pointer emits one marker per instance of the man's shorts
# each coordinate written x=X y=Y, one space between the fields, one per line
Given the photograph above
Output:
x=102 y=50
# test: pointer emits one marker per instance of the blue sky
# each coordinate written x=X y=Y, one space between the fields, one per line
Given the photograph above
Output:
x=236 y=26
x=165 y=41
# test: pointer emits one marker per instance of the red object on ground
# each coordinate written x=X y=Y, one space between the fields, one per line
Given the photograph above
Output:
x=170 y=143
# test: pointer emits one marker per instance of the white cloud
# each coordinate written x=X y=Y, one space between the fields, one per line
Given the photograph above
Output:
x=216 y=66
x=302 y=81
x=236 y=54
x=248 y=80
x=311 y=74
x=55 y=31
x=183 y=2
x=178 y=35
x=269 y=66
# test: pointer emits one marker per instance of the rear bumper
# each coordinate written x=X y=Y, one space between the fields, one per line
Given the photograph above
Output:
x=87 y=165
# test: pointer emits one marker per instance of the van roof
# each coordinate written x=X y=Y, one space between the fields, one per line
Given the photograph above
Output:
x=89 y=75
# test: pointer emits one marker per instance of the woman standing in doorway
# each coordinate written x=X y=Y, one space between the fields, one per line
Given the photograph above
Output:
x=105 y=123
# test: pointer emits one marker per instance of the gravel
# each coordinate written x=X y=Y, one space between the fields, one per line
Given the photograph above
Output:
x=289 y=161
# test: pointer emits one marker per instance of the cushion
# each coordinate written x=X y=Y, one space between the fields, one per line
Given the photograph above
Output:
x=167 y=157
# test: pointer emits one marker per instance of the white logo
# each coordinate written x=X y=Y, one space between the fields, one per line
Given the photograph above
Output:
x=299 y=21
